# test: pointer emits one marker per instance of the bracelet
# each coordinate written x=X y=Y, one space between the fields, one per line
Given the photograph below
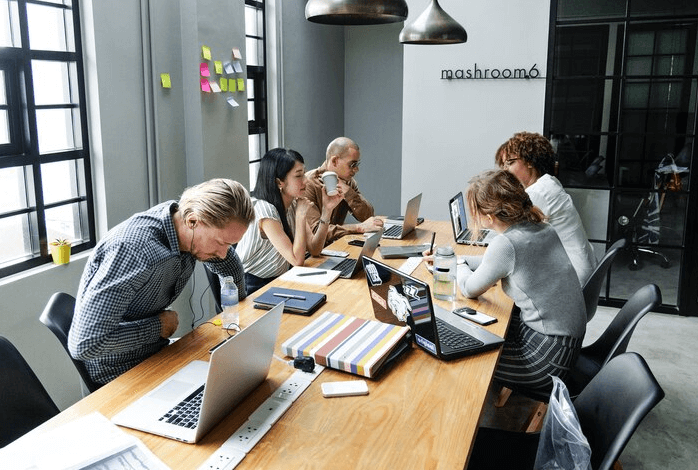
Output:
x=324 y=222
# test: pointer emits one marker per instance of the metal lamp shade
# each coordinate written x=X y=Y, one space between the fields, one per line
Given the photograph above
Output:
x=433 y=26
x=355 y=12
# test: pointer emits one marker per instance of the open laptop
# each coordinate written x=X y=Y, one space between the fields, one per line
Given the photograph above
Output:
x=400 y=299
x=350 y=266
x=459 y=222
x=406 y=251
x=234 y=369
x=398 y=231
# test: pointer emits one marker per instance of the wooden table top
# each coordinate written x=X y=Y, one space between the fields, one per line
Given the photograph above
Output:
x=420 y=413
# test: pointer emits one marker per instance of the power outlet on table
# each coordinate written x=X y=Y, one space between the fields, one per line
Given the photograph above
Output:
x=270 y=411
x=291 y=389
x=223 y=459
x=246 y=436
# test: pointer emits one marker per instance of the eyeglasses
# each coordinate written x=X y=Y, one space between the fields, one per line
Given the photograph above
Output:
x=354 y=164
x=507 y=163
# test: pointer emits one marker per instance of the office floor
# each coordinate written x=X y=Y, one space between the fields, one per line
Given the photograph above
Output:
x=666 y=437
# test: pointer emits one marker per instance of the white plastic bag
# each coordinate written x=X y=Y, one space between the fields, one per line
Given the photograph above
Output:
x=562 y=444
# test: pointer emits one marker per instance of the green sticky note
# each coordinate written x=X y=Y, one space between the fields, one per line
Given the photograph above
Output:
x=224 y=84
x=241 y=84
x=206 y=52
x=165 y=80
x=218 y=66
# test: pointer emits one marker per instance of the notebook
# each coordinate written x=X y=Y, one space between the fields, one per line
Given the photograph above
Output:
x=399 y=231
x=297 y=301
x=350 y=266
x=234 y=369
x=459 y=222
x=406 y=251
x=400 y=299
x=305 y=275
x=351 y=344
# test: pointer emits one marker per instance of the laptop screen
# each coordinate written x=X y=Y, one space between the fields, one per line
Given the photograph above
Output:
x=400 y=299
x=458 y=217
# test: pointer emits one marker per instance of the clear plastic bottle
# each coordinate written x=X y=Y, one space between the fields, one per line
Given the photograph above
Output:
x=229 y=303
x=445 y=264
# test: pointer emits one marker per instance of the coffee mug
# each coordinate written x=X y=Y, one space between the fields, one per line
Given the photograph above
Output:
x=330 y=180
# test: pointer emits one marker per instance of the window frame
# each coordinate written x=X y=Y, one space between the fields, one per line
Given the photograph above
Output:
x=257 y=76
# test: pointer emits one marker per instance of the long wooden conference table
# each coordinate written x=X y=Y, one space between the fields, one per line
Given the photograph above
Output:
x=421 y=413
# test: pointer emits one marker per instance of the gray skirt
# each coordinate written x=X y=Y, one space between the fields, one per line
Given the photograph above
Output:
x=530 y=359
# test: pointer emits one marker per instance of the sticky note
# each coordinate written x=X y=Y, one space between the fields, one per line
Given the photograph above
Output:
x=238 y=66
x=228 y=66
x=232 y=102
x=236 y=53
x=224 y=84
x=205 y=86
x=206 y=52
x=218 y=66
x=204 y=69
x=165 y=80
x=232 y=85
x=215 y=87
x=241 y=84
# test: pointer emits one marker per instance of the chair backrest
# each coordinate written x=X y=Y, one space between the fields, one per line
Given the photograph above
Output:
x=24 y=402
x=58 y=316
x=592 y=286
x=615 y=338
x=215 y=283
x=613 y=404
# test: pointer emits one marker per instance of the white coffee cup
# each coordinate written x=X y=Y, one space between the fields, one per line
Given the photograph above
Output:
x=330 y=180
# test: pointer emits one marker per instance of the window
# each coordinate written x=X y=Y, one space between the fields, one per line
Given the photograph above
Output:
x=45 y=181
x=256 y=84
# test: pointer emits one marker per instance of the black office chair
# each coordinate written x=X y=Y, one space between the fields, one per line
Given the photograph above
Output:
x=592 y=286
x=610 y=408
x=214 y=283
x=615 y=338
x=633 y=227
x=24 y=402
x=58 y=316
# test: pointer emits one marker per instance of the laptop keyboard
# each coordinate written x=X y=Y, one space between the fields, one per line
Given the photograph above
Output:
x=393 y=231
x=480 y=237
x=346 y=266
x=457 y=340
x=186 y=412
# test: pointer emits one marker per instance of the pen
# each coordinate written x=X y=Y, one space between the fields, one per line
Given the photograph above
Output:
x=289 y=296
x=433 y=236
x=312 y=273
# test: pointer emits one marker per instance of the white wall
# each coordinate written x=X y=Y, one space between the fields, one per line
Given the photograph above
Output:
x=451 y=129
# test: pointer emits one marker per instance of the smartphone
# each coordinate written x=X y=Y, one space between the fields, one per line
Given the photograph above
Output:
x=473 y=315
x=356 y=242
x=345 y=388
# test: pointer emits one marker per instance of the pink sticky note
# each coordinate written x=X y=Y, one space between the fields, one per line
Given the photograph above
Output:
x=204 y=70
x=205 y=86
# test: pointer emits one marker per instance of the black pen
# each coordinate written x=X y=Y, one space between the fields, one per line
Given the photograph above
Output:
x=433 y=236
x=289 y=296
x=313 y=273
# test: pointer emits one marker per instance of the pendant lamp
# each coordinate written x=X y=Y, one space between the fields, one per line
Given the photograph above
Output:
x=355 y=12
x=433 y=26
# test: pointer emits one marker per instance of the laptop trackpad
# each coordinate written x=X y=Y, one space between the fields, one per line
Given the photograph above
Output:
x=171 y=391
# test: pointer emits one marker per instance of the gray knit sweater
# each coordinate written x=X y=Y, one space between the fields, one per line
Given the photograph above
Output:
x=536 y=273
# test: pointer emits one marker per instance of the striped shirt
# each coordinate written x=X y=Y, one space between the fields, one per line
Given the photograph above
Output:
x=134 y=272
x=258 y=254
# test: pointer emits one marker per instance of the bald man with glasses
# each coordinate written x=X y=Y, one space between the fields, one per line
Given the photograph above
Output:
x=343 y=156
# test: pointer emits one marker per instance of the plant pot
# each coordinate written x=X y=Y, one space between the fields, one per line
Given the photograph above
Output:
x=60 y=254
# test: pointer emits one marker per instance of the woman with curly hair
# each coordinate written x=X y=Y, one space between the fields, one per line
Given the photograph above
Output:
x=531 y=158
x=549 y=321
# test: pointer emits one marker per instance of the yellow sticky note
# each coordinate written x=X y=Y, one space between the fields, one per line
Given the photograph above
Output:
x=224 y=84
x=231 y=85
x=218 y=65
x=206 y=52
x=241 y=84
x=165 y=80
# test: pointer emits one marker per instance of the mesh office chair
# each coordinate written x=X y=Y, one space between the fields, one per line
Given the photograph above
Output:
x=24 y=402
x=58 y=316
x=592 y=286
x=615 y=338
x=610 y=408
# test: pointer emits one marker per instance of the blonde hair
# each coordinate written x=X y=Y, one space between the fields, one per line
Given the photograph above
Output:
x=498 y=193
x=217 y=202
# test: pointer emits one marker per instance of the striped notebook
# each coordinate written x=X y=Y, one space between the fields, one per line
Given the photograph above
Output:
x=347 y=343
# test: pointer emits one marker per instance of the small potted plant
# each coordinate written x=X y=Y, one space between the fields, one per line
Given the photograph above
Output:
x=60 y=251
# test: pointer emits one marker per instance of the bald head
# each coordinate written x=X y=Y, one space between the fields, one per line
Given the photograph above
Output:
x=339 y=147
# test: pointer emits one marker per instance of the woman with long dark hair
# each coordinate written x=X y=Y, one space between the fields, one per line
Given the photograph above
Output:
x=280 y=234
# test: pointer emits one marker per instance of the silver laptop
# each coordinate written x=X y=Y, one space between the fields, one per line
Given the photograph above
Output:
x=350 y=266
x=234 y=370
x=406 y=251
x=398 y=231
x=401 y=299
x=459 y=222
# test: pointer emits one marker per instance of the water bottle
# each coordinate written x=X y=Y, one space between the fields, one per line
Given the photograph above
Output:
x=445 y=265
x=229 y=303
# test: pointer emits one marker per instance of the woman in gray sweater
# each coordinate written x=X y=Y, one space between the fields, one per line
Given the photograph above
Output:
x=549 y=318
